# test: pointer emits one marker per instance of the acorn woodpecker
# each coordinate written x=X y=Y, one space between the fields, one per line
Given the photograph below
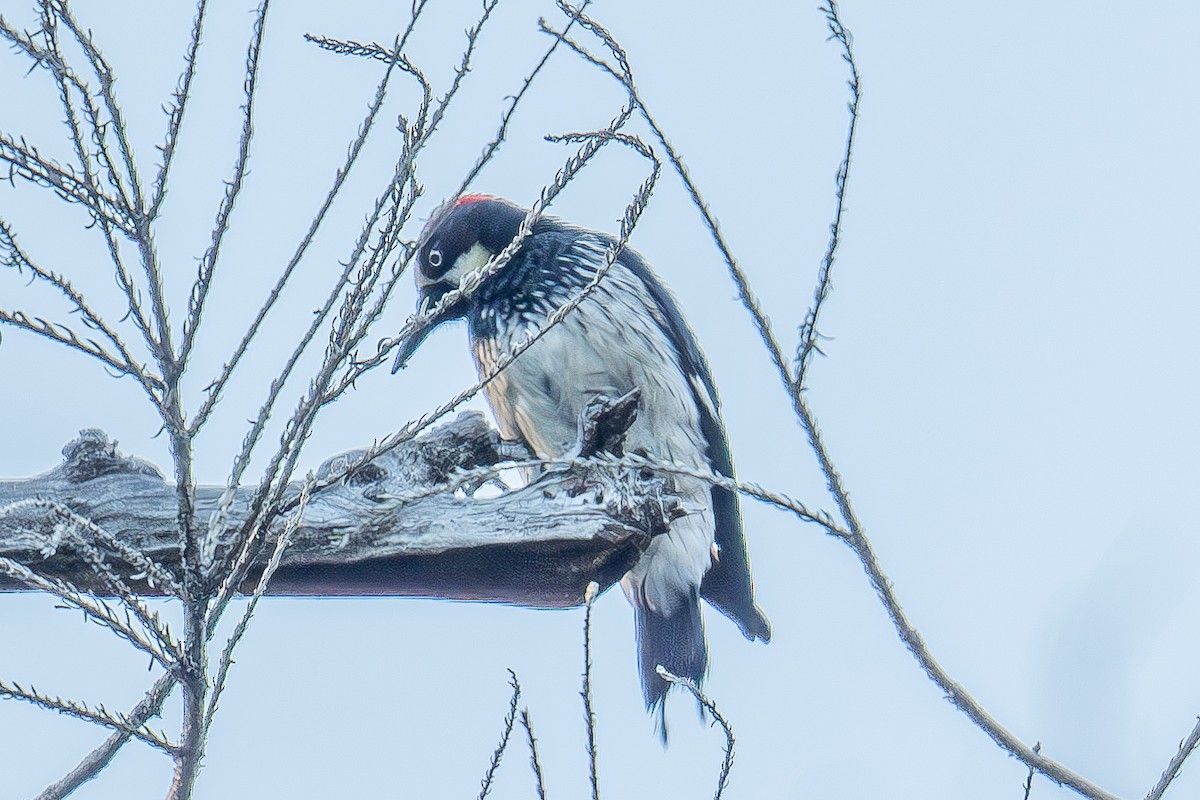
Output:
x=628 y=333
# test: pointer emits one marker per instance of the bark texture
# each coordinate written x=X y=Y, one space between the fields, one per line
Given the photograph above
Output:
x=366 y=534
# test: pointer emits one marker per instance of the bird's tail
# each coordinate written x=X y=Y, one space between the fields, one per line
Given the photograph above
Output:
x=677 y=643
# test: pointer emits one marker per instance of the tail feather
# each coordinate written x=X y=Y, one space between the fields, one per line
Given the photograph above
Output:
x=728 y=585
x=677 y=643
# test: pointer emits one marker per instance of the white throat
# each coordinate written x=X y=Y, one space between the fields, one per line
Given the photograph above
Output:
x=467 y=263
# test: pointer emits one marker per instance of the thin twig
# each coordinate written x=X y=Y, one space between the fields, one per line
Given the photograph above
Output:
x=1037 y=748
x=57 y=332
x=99 y=715
x=356 y=147
x=106 y=78
x=139 y=231
x=534 y=762
x=95 y=762
x=489 y=150
x=233 y=188
x=93 y=607
x=154 y=573
x=460 y=479
x=808 y=331
x=179 y=99
x=12 y=255
x=749 y=299
x=239 y=631
x=73 y=526
x=589 y=716
x=281 y=464
x=711 y=708
x=27 y=163
x=509 y=720
x=1186 y=747
x=265 y=502
x=636 y=461
x=67 y=82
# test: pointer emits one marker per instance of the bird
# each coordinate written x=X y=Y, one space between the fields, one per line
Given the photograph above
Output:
x=628 y=333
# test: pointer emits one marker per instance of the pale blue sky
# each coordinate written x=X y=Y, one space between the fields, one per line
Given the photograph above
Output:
x=1009 y=393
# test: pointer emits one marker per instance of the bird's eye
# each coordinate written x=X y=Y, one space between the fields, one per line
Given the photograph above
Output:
x=434 y=258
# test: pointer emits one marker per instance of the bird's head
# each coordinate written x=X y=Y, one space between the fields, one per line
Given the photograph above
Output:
x=460 y=237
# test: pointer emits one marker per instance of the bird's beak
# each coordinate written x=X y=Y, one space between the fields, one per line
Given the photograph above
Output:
x=425 y=325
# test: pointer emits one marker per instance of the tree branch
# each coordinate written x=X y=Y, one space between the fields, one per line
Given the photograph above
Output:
x=510 y=720
x=99 y=715
x=1172 y=771
x=808 y=331
x=718 y=718
x=98 y=759
x=393 y=526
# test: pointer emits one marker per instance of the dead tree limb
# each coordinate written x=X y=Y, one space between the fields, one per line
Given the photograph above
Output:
x=393 y=526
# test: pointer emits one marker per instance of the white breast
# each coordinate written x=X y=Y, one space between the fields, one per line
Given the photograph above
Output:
x=608 y=345
x=538 y=399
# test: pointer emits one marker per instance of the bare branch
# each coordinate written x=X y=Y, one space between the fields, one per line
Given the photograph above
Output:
x=92 y=606
x=233 y=187
x=57 y=332
x=285 y=538
x=142 y=567
x=373 y=50
x=635 y=461
x=67 y=81
x=1037 y=748
x=122 y=213
x=282 y=463
x=490 y=149
x=589 y=716
x=534 y=762
x=711 y=708
x=11 y=255
x=416 y=136
x=349 y=324
x=462 y=69
x=104 y=74
x=912 y=638
x=175 y=110
x=362 y=527
x=215 y=388
x=509 y=720
x=578 y=49
x=808 y=331
x=99 y=715
x=1186 y=747
x=606 y=38
x=628 y=461
x=296 y=431
x=98 y=759
x=73 y=527
x=27 y=163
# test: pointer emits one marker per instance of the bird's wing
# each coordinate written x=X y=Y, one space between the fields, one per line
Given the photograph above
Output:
x=728 y=585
